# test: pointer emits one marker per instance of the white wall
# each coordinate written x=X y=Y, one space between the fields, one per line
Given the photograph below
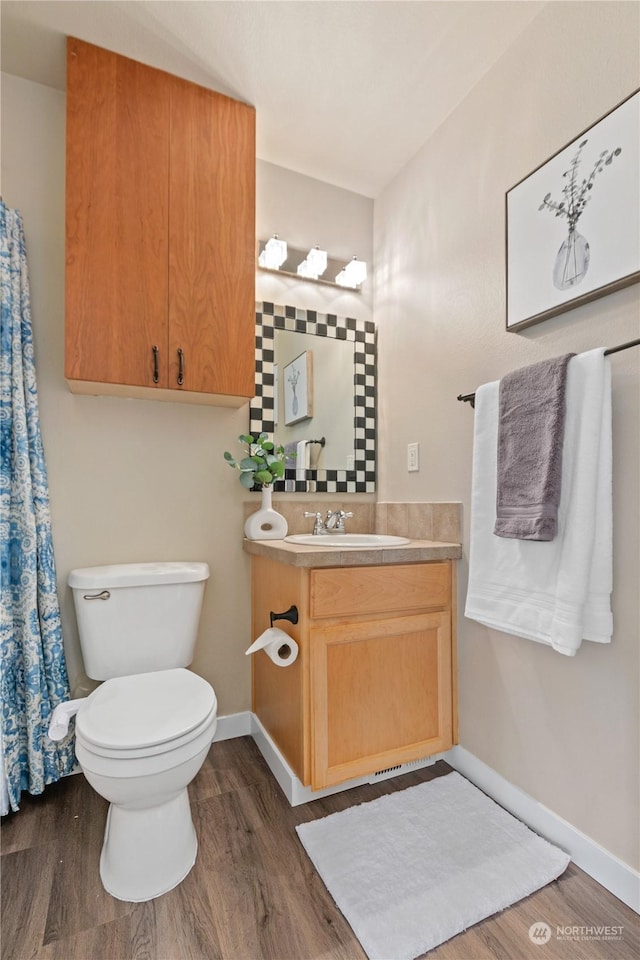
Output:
x=564 y=730
x=135 y=479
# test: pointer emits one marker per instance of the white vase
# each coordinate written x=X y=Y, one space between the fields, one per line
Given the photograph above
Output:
x=266 y=523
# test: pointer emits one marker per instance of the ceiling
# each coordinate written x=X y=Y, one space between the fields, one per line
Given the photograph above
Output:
x=345 y=92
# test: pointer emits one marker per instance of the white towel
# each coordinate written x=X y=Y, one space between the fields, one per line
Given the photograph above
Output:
x=302 y=460
x=556 y=592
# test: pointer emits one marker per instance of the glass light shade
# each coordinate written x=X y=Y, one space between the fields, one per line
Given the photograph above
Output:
x=317 y=261
x=274 y=254
x=304 y=270
x=314 y=264
x=353 y=274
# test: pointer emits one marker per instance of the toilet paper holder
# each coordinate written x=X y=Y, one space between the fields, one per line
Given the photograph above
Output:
x=291 y=615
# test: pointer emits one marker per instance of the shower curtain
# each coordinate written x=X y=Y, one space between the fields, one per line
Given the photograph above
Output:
x=33 y=676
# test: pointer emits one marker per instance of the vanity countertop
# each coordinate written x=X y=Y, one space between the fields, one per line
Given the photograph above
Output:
x=297 y=555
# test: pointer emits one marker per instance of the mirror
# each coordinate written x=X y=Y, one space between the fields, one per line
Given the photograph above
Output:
x=316 y=394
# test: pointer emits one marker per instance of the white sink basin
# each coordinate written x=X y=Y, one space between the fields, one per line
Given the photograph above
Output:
x=340 y=541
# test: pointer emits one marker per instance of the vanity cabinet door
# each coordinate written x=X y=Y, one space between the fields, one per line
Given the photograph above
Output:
x=381 y=694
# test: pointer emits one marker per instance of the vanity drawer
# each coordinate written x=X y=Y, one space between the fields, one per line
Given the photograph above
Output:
x=343 y=591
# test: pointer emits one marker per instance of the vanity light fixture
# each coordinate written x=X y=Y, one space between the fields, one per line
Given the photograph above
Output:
x=314 y=265
x=311 y=266
x=274 y=253
x=353 y=274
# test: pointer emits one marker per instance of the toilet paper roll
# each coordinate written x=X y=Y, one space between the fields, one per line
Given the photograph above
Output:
x=278 y=646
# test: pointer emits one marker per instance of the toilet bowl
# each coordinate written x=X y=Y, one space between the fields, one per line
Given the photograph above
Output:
x=140 y=740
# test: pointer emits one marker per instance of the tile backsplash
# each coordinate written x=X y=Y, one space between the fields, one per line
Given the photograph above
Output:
x=440 y=521
x=421 y=521
x=293 y=511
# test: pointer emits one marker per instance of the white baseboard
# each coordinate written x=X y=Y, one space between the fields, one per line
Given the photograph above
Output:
x=234 y=725
x=612 y=873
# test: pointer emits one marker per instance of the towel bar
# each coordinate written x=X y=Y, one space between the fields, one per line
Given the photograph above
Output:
x=471 y=397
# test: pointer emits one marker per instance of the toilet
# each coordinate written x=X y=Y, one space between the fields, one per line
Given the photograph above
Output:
x=144 y=733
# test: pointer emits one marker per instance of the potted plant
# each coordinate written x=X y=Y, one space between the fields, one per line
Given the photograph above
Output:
x=261 y=465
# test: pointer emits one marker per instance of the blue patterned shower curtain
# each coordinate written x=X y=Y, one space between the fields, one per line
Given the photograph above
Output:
x=33 y=669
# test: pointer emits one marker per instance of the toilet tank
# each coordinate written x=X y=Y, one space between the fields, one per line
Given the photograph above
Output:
x=137 y=617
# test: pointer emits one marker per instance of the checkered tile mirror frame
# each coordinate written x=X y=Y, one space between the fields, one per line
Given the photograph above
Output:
x=269 y=318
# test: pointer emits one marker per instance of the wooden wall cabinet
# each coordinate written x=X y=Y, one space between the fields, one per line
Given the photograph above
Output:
x=374 y=684
x=160 y=234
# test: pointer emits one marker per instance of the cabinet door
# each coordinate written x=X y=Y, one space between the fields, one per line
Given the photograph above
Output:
x=117 y=198
x=380 y=694
x=212 y=242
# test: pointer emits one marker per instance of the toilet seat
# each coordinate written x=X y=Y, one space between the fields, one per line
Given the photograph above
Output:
x=145 y=714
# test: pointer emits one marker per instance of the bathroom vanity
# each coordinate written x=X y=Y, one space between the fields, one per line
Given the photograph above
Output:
x=374 y=684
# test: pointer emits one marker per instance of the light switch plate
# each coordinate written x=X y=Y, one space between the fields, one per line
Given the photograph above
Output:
x=413 y=457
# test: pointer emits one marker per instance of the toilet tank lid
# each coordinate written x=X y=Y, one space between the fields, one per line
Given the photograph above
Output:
x=137 y=574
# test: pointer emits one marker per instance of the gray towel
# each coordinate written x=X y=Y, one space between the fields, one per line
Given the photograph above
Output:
x=530 y=435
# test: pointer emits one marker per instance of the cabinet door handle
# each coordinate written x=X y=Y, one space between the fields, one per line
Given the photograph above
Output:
x=156 y=375
x=180 y=366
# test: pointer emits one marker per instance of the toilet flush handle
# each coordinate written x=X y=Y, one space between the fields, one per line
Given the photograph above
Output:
x=103 y=595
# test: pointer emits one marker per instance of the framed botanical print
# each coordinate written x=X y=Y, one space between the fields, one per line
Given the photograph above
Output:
x=573 y=225
x=298 y=388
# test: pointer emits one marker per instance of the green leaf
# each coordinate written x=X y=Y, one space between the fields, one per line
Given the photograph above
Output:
x=245 y=439
x=247 y=479
x=267 y=445
x=248 y=463
x=263 y=476
x=277 y=469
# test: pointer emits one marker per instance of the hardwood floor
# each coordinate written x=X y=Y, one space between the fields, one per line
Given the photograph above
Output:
x=253 y=894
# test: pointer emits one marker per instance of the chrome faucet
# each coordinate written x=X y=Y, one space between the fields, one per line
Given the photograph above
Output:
x=333 y=525
x=334 y=522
